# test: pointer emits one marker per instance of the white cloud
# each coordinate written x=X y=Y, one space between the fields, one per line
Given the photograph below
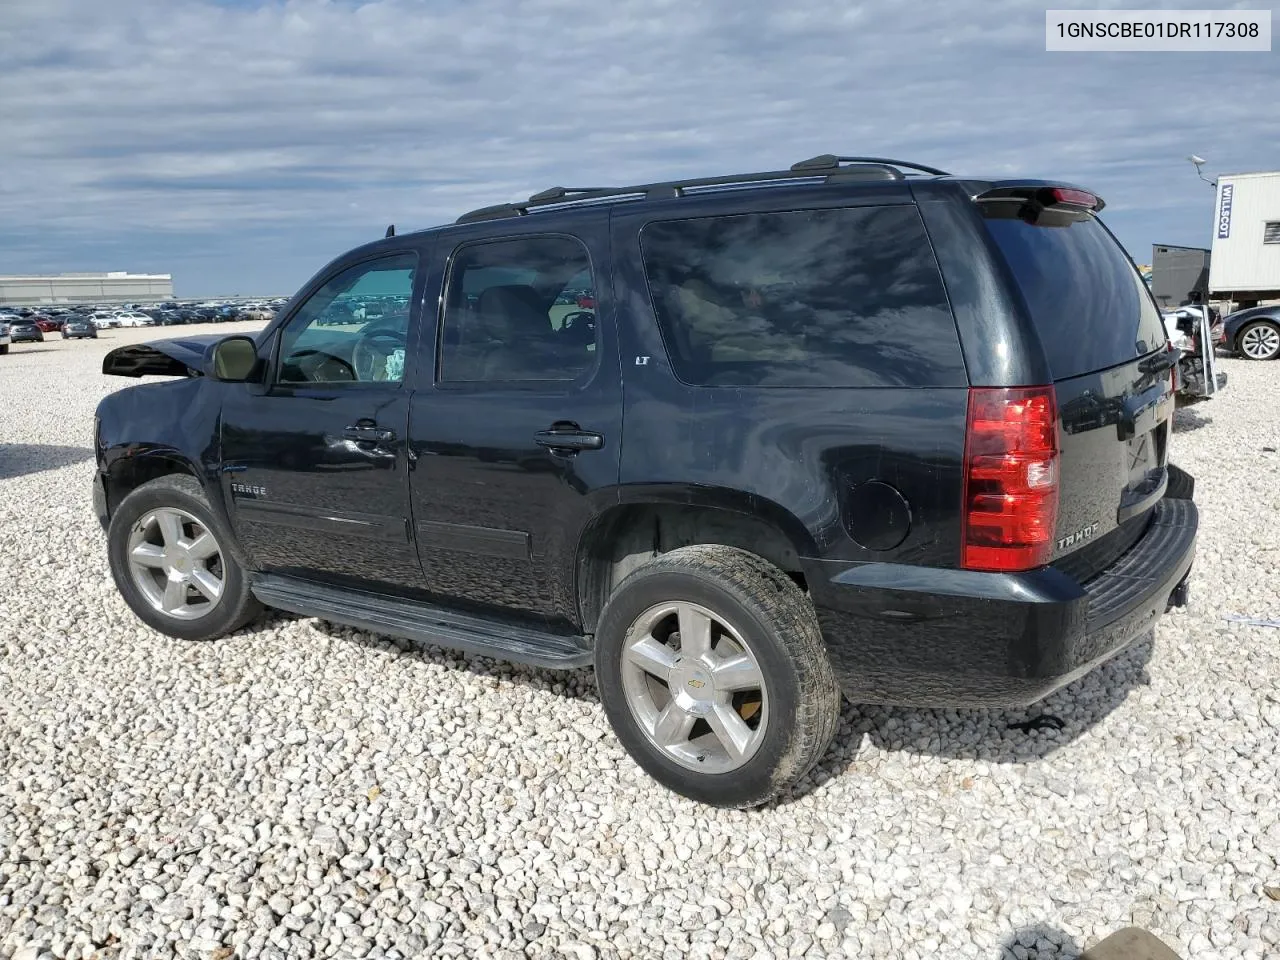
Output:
x=212 y=133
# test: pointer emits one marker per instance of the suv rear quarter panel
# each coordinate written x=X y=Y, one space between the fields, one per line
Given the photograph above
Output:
x=801 y=453
x=1000 y=345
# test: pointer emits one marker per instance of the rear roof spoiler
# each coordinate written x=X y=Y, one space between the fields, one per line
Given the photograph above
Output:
x=1043 y=194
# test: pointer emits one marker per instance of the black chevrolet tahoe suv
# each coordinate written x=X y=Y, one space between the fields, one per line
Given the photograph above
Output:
x=741 y=443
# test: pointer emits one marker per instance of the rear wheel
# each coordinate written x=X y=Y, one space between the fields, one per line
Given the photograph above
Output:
x=172 y=567
x=1260 y=340
x=714 y=676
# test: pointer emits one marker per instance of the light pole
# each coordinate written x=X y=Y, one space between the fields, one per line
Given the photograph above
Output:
x=1210 y=382
x=1200 y=162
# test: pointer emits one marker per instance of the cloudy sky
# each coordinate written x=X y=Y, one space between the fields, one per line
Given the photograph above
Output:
x=241 y=143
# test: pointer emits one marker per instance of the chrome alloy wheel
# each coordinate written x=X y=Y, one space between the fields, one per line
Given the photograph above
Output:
x=1260 y=342
x=176 y=563
x=694 y=687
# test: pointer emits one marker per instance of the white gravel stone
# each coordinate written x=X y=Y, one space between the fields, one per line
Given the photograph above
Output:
x=223 y=795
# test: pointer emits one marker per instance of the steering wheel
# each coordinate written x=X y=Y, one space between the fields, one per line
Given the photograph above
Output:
x=371 y=352
x=316 y=366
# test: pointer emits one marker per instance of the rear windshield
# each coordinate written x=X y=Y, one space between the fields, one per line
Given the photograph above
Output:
x=1090 y=306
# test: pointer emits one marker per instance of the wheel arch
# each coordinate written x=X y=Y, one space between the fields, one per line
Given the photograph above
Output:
x=128 y=472
x=623 y=537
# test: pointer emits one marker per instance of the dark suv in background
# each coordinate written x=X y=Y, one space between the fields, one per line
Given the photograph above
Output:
x=837 y=427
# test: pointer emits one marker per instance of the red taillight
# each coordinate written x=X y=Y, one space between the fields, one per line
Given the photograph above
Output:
x=1076 y=198
x=1011 y=478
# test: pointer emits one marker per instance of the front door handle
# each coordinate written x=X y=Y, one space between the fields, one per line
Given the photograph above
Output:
x=366 y=431
x=568 y=437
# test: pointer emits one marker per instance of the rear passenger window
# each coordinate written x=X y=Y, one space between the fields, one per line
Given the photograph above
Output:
x=812 y=298
x=519 y=310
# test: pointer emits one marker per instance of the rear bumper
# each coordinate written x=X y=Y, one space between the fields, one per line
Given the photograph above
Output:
x=925 y=636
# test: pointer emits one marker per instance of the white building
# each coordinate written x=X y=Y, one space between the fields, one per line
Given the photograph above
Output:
x=117 y=287
x=1245 y=264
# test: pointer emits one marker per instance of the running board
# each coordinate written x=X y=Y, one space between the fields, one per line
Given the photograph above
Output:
x=424 y=623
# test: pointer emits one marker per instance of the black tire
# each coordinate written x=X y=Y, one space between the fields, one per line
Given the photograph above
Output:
x=1256 y=325
x=1181 y=486
x=233 y=609
x=777 y=621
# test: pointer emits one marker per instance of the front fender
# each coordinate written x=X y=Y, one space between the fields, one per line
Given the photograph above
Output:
x=155 y=429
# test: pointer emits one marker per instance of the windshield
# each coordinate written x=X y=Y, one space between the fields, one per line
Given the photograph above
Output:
x=1088 y=302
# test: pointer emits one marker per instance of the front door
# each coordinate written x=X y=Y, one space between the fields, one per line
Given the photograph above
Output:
x=315 y=465
x=516 y=443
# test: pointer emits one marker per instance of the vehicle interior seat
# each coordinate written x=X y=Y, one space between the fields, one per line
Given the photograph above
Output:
x=508 y=337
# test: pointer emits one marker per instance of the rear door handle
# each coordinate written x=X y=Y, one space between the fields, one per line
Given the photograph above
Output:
x=568 y=438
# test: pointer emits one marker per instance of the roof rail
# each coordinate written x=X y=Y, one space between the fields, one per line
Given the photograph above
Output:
x=829 y=161
x=827 y=167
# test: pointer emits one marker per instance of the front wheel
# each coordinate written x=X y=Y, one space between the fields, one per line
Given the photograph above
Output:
x=171 y=565
x=1260 y=340
x=714 y=676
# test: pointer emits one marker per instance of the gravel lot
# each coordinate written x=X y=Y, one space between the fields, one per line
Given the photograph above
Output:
x=302 y=789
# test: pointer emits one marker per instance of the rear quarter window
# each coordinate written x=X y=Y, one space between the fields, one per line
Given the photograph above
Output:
x=848 y=297
x=1089 y=304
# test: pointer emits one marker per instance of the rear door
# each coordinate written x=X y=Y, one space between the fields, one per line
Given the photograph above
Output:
x=515 y=441
x=1108 y=354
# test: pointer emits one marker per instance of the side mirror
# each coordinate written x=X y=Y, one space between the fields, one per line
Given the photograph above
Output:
x=235 y=360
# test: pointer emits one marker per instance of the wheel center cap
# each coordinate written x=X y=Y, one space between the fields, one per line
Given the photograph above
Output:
x=693 y=681
x=182 y=563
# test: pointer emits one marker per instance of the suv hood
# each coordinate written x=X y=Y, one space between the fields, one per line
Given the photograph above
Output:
x=181 y=357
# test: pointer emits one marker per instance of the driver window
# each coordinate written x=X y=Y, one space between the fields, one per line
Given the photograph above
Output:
x=354 y=328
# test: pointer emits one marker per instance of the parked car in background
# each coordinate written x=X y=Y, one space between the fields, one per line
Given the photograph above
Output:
x=25 y=330
x=134 y=319
x=104 y=321
x=47 y=323
x=1194 y=338
x=78 y=327
x=1253 y=333
x=5 y=338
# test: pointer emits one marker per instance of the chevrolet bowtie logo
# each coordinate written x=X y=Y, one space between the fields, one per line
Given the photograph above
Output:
x=697 y=684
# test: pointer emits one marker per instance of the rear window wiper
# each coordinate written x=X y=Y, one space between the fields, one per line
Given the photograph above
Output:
x=1158 y=361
